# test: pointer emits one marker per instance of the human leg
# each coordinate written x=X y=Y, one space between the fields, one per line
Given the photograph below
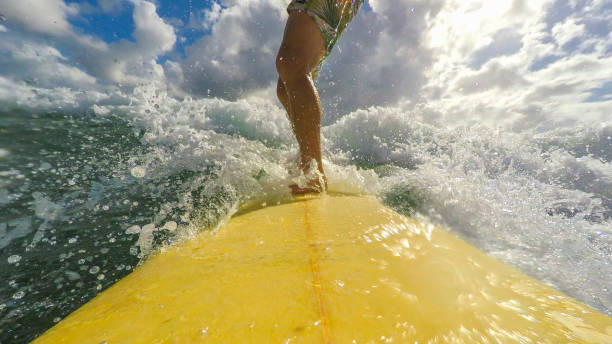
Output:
x=301 y=50
x=283 y=97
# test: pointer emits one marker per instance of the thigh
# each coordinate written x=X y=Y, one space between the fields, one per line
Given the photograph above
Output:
x=302 y=41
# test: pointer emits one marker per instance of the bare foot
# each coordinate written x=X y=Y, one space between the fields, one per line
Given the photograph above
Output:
x=314 y=186
x=296 y=190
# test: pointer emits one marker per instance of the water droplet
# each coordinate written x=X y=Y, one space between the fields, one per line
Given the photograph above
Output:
x=94 y=270
x=18 y=295
x=14 y=259
x=170 y=225
x=72 y=275
x=57 y=319
x=133 y=230
x=100 y=277
x=138 y=171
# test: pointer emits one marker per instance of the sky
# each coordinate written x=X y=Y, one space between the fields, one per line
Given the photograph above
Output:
x=515 y=64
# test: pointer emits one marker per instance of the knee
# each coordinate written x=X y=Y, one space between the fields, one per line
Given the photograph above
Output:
x=290 y=66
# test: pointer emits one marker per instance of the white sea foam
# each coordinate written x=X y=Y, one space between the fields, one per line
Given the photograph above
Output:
x=14 y=229
x=45 y=209
x=145 y=238
x=14 y=259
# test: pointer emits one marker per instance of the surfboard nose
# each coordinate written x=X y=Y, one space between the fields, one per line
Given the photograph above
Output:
x=329 y=269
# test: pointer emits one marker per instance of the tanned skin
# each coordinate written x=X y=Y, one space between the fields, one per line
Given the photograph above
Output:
x=300 y=52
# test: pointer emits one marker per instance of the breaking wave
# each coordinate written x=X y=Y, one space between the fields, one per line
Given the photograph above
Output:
x=85 y=196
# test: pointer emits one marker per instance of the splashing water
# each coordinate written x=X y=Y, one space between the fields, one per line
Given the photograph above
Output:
x=83 y=198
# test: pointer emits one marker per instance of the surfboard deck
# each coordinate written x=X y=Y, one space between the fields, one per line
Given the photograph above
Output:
x=329 y=269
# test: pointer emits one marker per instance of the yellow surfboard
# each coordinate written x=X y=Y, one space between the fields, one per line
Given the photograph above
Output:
x=329 y=269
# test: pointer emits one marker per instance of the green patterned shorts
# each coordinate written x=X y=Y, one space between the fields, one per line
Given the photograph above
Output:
x=331 y=16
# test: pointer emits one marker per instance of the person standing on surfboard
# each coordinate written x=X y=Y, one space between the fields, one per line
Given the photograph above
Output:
x=311 y=31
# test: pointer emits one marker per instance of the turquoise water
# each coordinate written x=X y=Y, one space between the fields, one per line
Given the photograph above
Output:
x=84 y=197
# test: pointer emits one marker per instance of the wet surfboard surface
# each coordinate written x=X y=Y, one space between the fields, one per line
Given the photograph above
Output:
x=329 y=269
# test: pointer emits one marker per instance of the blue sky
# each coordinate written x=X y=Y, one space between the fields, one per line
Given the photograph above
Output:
x=508 y=63
x=119 y=24
x=110 y=27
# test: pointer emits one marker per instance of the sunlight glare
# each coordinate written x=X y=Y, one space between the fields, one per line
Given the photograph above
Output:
x=467 y=18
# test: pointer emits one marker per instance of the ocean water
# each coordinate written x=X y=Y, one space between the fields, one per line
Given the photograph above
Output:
x=86 y=196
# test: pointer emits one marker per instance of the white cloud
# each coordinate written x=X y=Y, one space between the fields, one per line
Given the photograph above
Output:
x=175 y=77
x=544 y=81
x=130 y=62
x=378 y=52
x=212 y=15
x=152 y=34
x=239 y=53
x=381 y=59
x=39 y=64
x=125 y=62
x=109 y=6
x=508 y=62
x=47 y=17
x=31 y=97
x=67 y=69
x=567 y=31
